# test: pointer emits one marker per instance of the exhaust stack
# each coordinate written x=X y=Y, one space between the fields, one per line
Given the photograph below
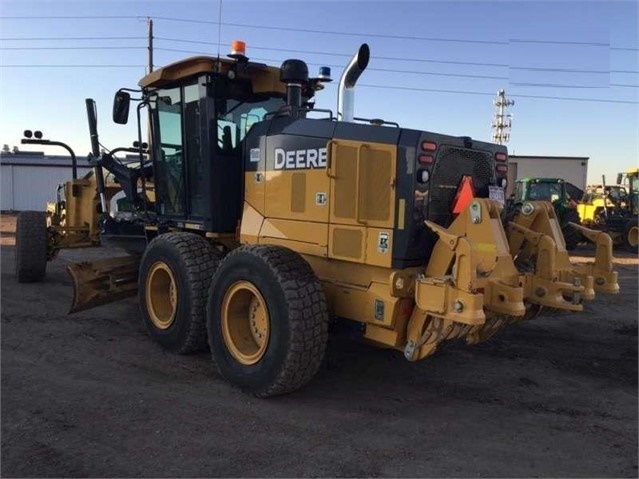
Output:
x=346 y=94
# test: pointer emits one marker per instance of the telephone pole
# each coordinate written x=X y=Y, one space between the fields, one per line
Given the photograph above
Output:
x=501 y=122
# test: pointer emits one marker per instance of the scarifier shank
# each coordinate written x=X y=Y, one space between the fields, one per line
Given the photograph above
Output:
x=470 y=280
x=472 y=286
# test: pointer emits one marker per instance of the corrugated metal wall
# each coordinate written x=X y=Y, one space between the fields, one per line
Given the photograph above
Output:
x=30 y=187
x=572 y=170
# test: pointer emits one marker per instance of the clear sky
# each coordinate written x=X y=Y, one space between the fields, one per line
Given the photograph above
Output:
x=435 y=65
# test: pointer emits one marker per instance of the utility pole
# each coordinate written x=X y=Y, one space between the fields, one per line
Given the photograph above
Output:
x=501 y=122
x=149 y=22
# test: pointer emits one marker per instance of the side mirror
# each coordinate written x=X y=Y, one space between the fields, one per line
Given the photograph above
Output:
x=121 y=104
x=619 y=178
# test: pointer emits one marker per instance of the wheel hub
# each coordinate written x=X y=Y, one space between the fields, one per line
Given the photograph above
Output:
x=161 y=295
x=245 y=322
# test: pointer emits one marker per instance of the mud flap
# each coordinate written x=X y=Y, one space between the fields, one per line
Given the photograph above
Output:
x=104 y=281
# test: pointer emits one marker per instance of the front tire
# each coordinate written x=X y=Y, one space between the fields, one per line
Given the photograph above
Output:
x=267 y=320
x=31 y=246
x=175 y=273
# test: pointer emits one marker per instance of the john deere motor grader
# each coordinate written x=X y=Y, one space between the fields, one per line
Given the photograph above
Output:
x=268 y=223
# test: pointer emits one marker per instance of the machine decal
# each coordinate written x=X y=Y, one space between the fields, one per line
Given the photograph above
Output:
x=300 y=159
x=379 y=310
x=255 y=155
x=320 y=199
x=382 y=242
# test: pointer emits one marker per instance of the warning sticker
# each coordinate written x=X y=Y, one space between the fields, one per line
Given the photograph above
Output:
x=382 y=242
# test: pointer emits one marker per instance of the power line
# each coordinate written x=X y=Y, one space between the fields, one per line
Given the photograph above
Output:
x=542 y=97
x=69 y=17
x=563 y=70
x=28 y=39
x=411 y=72
x=324 y=32
x=388 y=87
x=257 y=47
x=73 y=48
x=554 y=85
x=560 y=42
x=461 y=75
x=71 y=66
x=396 y=37
x=418 y=60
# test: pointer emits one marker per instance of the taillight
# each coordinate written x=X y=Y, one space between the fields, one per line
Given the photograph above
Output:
x=429 y=145
x=502 y=168
x=425 y=159
x=501 y=157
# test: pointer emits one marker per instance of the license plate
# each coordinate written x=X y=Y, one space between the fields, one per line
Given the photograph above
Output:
x=496 y=193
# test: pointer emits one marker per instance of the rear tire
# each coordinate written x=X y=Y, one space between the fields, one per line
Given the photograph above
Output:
x=31 y=246
x=631 y=236
x=572 y=237
x=267 y=320
x=175 y=273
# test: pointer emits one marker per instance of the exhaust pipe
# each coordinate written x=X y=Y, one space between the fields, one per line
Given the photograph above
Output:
x=346 y=94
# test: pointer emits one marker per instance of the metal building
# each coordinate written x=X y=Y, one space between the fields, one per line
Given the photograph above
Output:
x=573 y=169
x=28 y=180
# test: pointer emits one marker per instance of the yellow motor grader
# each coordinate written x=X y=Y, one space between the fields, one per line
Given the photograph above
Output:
x=272 y=219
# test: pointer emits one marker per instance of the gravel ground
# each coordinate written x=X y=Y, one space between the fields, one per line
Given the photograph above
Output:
x=90 y=395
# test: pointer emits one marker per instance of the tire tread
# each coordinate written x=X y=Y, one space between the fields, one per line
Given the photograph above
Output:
x=308 y=316
x=200 y=260
x=31 y=246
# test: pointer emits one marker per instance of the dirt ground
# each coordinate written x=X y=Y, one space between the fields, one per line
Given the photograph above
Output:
x=90 y=395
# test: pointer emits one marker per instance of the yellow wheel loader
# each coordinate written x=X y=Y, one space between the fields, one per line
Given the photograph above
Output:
x=614 y=209
x=272 y=219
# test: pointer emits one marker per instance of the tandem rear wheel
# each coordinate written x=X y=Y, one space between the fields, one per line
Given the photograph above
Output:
x=267 y=320
x=32 y=241
x=175 y=273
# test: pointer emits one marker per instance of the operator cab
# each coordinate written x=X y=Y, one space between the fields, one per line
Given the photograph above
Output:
x=201 y=109
x=197 y=128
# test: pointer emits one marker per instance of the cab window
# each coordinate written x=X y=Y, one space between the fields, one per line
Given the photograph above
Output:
x=235 y=121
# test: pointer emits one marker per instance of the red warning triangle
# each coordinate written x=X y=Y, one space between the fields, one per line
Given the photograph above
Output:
x=465 y=194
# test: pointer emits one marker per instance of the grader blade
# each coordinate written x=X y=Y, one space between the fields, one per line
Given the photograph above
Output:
x=104 y=281
x=471 y=287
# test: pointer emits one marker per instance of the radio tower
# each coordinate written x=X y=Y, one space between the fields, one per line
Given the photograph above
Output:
x=501 y=122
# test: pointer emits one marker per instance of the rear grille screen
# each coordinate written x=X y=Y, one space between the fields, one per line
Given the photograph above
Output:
x=452 y=164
